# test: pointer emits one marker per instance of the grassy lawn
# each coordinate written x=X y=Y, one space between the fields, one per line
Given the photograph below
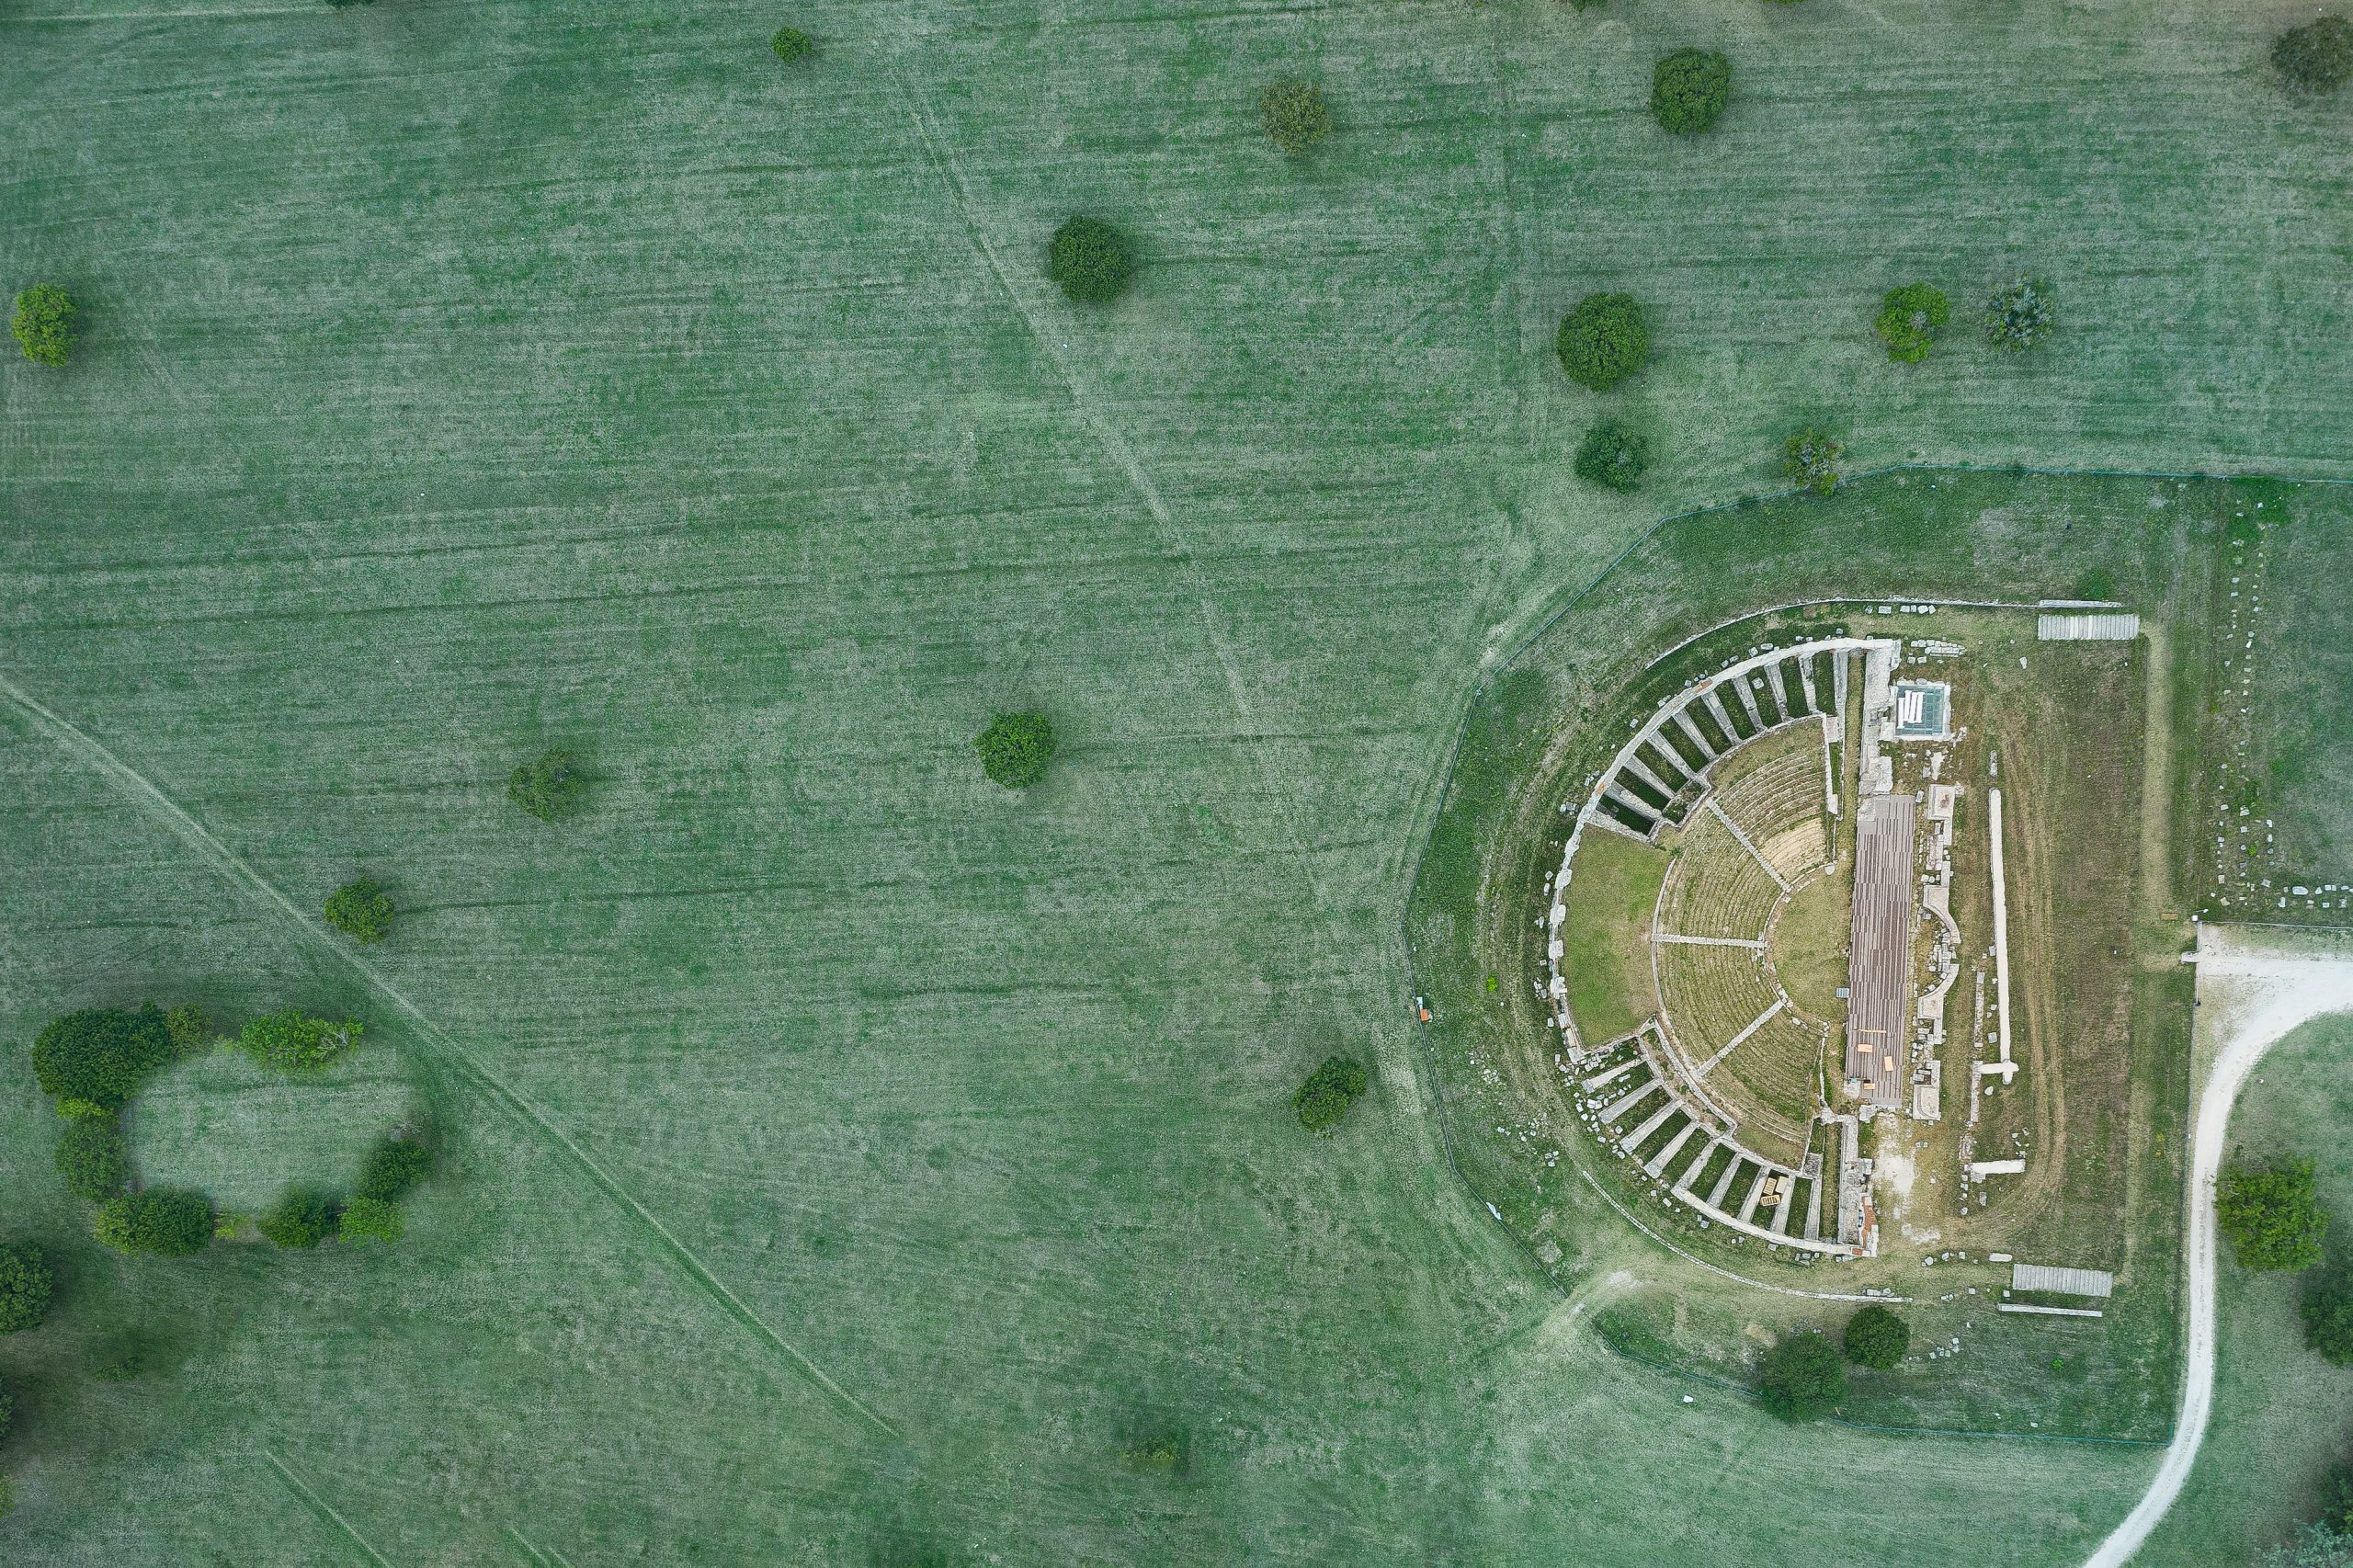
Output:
x=223 y=1126
x=843 y=1157
x=1612 y=890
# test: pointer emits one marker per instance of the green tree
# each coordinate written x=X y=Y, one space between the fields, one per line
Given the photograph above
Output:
x=549 y=786
x=1877 y=1338
x=392 y=1169
x=1809 y=459
x=792 y=44
x=2017 y=316
x=44 y=324
x=25 y=1284
x=372 y=1220
x=2316 y=57
x=1294 y=115
x=189 y=1030
x=1603 y=341
x=1091 y=260
x=1014 y=749
x=8 y=1419
x=103 y=1055
x=2271 y=1214
x=2326 y=1307
x=302 y=1217
x=1802 y=1378
x=1612 y=456
x=164 y=1221
x=1690 y=89
x=1908 y=319
x=92 y=1158
x=2315 y=1546
x=1328 y=1093
x=294 y=1041
x=361 y=911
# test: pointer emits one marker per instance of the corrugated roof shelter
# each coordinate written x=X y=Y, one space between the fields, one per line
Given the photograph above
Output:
x=2064 y=1282
x=2086 y=628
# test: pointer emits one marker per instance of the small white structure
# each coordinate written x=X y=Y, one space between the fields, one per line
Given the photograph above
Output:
x=2086 y=628
x=2097 y=1282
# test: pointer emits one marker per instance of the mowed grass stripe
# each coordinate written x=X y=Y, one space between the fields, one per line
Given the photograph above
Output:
x=457 y=1057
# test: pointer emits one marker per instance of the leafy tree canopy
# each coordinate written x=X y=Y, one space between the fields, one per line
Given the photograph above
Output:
x=103 y=1055
x=1328 y=1093
x=371 y=1220
x=2315 y=1546
x=293 y=1041
x=2271 y=1214
x=1690 y=89
x=1613 y=456
x=1162 y=1453
x=1603 y=341
x=1877 y=1338
x=549 y=786
x=2316 y=57
x=1295 y=116
x=361 y=911
x=302 y=1217
x=392 y=1169
x=1801 y=1379
x=25 y=1284
x=792 y=44
x=1908 y=319
x=44 y=324
x=2326 y=1307
x=1091 y=260
x=1014 y=749
x=190 y=1031
x=2017 y=316
x=166 y=1221
x=1810 y=458
x=92 y=1158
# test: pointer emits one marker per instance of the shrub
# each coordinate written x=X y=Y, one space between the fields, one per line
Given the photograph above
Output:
x=166 y=1221
x=44 y=324
x=549 y=786
x=1091 y=260
x=1809 y=459
x=1328 y=1093
x=2271 y=1214
x=391 y=1170
x=1162 y=1453
x=92 y=1158
x=2315 y=1546
x=371 y=1220
x=361 y=911
x=1877 y=1338
x=8 y=1419
x=84 y=1110
x=1613 y=457
x=1014 y=749
x=791 y=45
x=189 y=1030
x=25 y=1284
x=2017 y=316
x=293 y=1041
x=302 y=1217
x=1908 y=319
x=1802 y=1378
x=1294 y=115
x=1690 y=89
x=1602 y=341
x=2326 y=1307
x=2316 y=57
x=103 y=1055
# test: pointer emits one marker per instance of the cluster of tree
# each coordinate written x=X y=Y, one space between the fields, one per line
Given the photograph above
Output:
x=1810 y=458
x=1156 y=1453
x=1014 y=749
x=361 y=910
x=44 y=324
x=160 y=1222
x=1295 y=116
x=550 y=786
x=1612 y=456
x=1092 y=261
x=792 y=45
x=1908 y=319
x=2315 y=1546
x=2271 y=1214
x=1802 y=1378
x=294 y=1041
x=25 y=1283
x=1328 y=1093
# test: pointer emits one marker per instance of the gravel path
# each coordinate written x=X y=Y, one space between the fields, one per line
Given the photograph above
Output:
x=2251 y=993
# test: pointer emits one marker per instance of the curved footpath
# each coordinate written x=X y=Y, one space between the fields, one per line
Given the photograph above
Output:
x=2252 y=992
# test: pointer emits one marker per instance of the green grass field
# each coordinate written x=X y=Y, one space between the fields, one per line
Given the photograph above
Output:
x=845 y=1158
